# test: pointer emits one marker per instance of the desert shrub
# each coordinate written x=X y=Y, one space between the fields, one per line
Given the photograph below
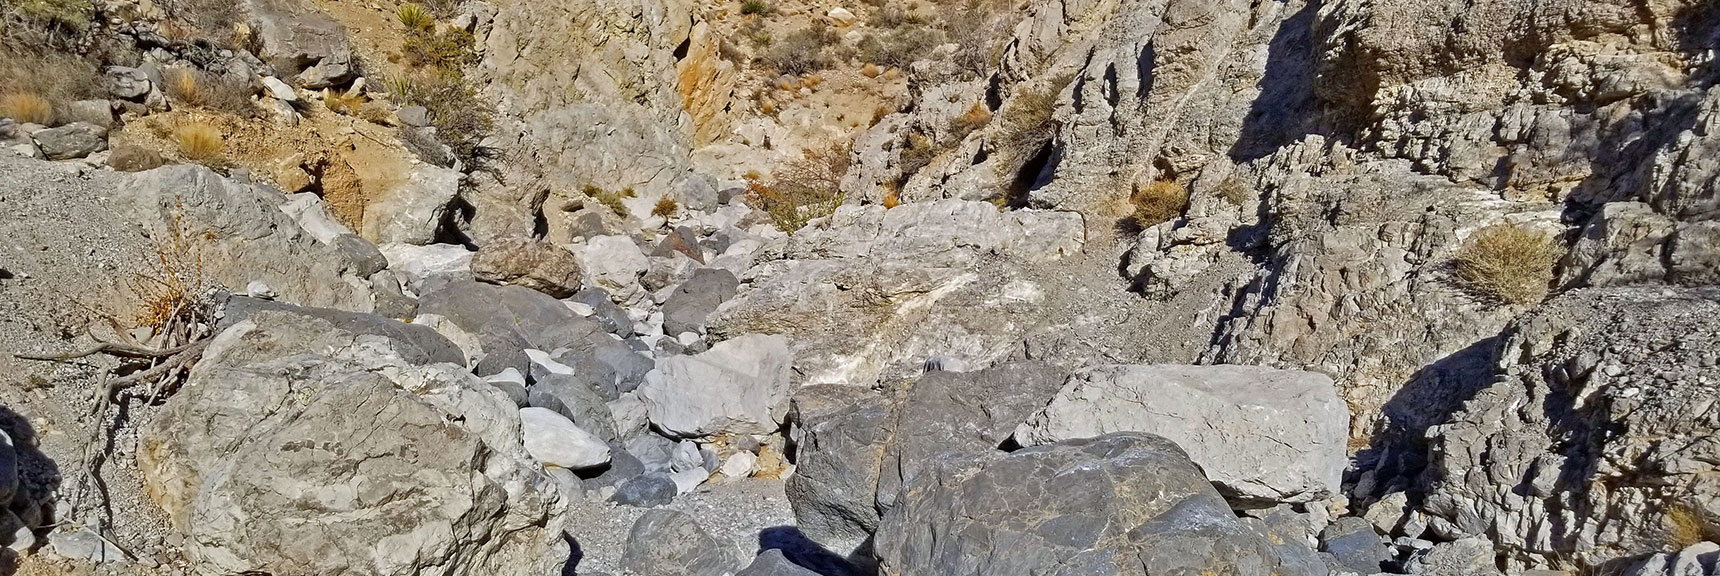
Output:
x=899 y=48
x=917 y=151
x=447 y=49
x=213 y=91
x=1510 y=263
x=1027 y=118
x=422 y=142
x=760 y=7
x=172 y=293
x=1157 y=203
x=461 y=118
x=980 y=30
x=199 y=142
x=611 y=200
x=214 y=18
x=415 y=17
x=975 y=118
x=1684 y=526
x=49 y=24
x=28 y=108
x=892 y=17
x=58 y=78
x=805 y=189
x=803 y=51
x=665 y=208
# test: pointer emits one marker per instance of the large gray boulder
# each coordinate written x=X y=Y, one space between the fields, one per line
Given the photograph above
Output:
x=555 y=440
x=415 y=344
x=506 y=320
x=299 y=447
x=567 y=395
x=1129 y=504
x=1264 y=436
x=857 y=450
x=670 y=542
x=294 y=32
x=242 y=235
x=412 y=211
x=695 y=299
x=739 y=386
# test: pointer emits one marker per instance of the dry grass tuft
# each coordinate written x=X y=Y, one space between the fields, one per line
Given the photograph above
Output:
x=1508 y=262
x=975 y=118
x=805 y=189
x=199 y=142
x=611 y=200
x=343 y=103
x=665 y=208
x=185 y=85
x=27 y=108
x=170 y=294
x=1234 y=191
x=219 y=93
x=1157 y=203
x=760 y=7
x=1027 y=119
x=1684 y=527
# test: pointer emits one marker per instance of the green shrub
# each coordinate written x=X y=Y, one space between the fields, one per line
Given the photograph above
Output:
x=462 y=120
x=415 y=17
x=1510 y=263
x=805 y=189
x=448 y=49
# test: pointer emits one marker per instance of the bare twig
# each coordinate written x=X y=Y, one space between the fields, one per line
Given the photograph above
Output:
x=110 y=349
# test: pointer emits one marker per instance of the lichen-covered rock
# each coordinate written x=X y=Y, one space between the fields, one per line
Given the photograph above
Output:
x=536 y=265
x=670 y=542
x=1125 y=503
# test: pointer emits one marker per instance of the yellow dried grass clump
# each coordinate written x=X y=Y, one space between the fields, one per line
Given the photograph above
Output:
x=665 y=208
x=343 y=103
x=27 y=108
x=1157 y=203
x=186 y=85
x=1511 y=263
x=199 y=142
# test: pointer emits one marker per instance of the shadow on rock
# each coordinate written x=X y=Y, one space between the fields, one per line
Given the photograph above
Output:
x=805 y=553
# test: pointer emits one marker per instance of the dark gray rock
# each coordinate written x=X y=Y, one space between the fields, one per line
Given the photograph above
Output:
x=366 y=258
x=669 y=542
x=1354 y=546
x=389 y=301
x=609 y=366
x=695 y=299
x=654 y=452
x=587 y=224
x=646 y=491
x=856 y=454
x=75 y=140
x=1128 y=504
x=623 y=467
x=773 y=563
x=605 y=312
x=416 y=344
x=491 y=311
x=570 y=396
x=502 y=350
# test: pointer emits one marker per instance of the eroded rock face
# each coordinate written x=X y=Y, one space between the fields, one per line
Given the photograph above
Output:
x=923 y=272
x=1599 y=437
x=1126 y=503
x=1263 y=436
x=297 y=447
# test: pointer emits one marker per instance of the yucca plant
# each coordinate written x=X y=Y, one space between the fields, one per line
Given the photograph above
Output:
x=415 y=17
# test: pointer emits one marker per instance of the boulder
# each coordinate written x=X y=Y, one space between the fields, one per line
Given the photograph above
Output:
x=1354 y=546
x=299 y=447
x=614 y=263
x=75 y=140
x=412 y=212
x=607 y=365
x=647 y=491
x=332 y=70
x=1127 y=503
x=510 y=315
x=1264 y=436
x=98 y=113
x=415 y=344
x=245 y=236
x=418 y=263
x=414 y=116
x=522 y=262
x=279 y=90
x=555 y=441
x=611 y=317
x=294 y=33
x=857 y=450
x=694 y=300
x=1699 y=559
x=128 y=83
x=738 y=386
x=670 y=542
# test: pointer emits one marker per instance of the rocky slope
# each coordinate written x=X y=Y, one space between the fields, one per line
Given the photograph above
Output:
x=663 y=287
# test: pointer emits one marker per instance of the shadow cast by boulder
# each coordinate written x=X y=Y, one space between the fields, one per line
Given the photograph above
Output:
x=805 y=553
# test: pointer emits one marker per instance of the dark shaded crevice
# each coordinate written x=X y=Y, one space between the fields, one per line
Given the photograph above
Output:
x=1035 y=174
